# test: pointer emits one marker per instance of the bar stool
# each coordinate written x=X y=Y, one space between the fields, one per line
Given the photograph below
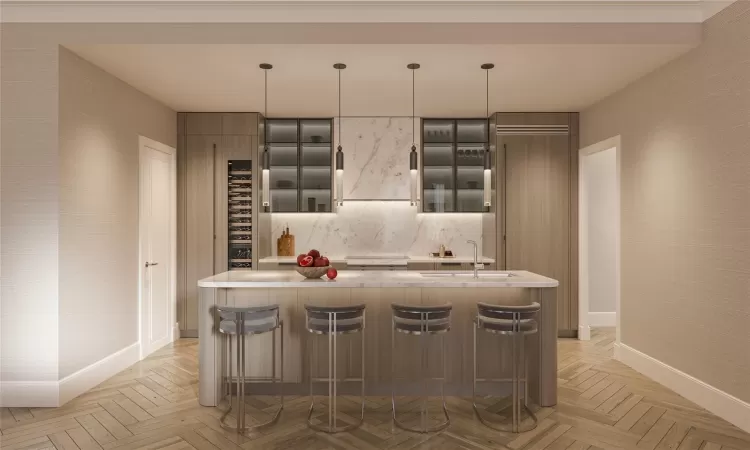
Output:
x=249 y=321
x=516 y=322
x=421 y=321
x=333 y=321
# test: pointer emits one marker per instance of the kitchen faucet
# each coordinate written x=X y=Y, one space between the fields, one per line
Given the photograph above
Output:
x=476 y=263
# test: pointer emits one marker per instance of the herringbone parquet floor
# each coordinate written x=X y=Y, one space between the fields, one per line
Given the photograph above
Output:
x=152 y=405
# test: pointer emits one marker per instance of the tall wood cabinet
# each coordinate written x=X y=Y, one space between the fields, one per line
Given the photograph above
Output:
x=533 y=221
x=206 y=143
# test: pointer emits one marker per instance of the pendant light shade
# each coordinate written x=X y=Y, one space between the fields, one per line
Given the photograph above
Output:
x=487 y=194
x=266 y=174
x=413 y=158
x=339 y=153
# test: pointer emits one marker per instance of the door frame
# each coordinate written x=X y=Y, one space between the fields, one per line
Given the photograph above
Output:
x=144 y=144
x=584 y=329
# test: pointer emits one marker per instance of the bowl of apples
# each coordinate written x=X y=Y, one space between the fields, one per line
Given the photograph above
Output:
x=312 y=264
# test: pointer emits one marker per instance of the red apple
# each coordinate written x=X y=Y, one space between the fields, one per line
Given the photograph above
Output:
x=314 y=253
x=331 y=273
x=321 y=262
x=307 y=261
x=300 y=258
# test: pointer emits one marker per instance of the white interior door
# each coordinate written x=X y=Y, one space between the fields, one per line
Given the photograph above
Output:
x=158 y=241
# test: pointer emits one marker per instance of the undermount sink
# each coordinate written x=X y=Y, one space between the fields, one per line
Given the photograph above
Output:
x=480 y=274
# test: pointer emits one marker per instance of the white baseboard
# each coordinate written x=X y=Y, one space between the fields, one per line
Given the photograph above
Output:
x=718 y=402
x=176 y=331
x=602 y=319
x=77 y=383
x=584 y=333
x=29 y=394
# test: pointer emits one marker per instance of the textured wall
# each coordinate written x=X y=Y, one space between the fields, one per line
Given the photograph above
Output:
x=100 y=120
x=29 y=210
x=686 y=205
x=377 y=167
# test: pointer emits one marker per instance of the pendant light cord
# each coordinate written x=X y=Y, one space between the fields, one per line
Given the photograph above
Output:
x=413 y=96
x=265 y=90
x=487 y=92
x=339 y=89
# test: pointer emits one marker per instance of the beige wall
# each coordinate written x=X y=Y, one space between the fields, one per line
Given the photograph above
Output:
x=686 y=205
x=100 y=120
x=600 y=170
x=29 y=213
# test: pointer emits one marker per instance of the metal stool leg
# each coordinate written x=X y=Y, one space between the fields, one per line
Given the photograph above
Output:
x=518 y=364
x=241 y=379
x=424 y=367
x=332 y=380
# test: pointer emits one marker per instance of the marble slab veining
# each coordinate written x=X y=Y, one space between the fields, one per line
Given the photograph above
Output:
x=376 y=157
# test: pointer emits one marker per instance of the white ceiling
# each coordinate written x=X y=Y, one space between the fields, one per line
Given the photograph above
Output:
x=377 y=82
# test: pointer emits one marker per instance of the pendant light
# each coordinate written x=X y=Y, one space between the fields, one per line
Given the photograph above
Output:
x=487 y=157
x=266 y=176
x=339 y=154
x=413 y=162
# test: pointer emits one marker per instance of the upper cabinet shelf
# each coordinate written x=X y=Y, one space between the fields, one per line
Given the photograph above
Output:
x=301 y=164
x=453 y=164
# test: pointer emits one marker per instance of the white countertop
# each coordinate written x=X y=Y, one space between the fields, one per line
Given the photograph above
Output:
x=379 y=261
x=373 y=279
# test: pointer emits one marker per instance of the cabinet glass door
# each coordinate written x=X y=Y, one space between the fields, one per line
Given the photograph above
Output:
x=282 y=144
x=470 y=147
x=315 y=165
x=438 y=161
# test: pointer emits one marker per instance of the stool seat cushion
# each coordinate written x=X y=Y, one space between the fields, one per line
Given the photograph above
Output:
x=252 y=326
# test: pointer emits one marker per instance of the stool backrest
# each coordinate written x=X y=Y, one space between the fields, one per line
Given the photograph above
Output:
x=490 y=312
x=420 y=318
x=338 y=319
x=249 y=313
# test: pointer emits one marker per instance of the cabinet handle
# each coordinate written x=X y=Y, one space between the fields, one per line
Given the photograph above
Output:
x=151 y=264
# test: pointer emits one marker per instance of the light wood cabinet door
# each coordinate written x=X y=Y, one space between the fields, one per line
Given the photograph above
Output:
x=198 y=243
x=538 y=213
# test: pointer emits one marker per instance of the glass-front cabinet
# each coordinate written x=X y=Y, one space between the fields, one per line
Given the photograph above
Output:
x=453 y=164
x=301 y=164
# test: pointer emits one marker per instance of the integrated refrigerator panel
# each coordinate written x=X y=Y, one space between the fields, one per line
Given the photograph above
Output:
x=240 y=212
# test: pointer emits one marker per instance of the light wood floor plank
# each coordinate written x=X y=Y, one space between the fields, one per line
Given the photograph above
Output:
x=83 y=439
x=63 y=441
x=603 y=405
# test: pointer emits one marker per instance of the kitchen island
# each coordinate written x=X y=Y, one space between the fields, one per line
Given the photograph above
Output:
x=377 y=290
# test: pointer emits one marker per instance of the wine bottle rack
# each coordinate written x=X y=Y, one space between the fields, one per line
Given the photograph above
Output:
x=240 y=212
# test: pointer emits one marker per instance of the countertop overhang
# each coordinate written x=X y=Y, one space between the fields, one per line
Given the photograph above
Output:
x=373 y=279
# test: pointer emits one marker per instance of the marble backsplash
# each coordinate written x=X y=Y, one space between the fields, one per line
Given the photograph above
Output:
x=379 y=227
x=376 y=151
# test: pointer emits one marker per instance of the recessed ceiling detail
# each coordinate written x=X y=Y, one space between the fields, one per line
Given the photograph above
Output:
x=525 y=77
